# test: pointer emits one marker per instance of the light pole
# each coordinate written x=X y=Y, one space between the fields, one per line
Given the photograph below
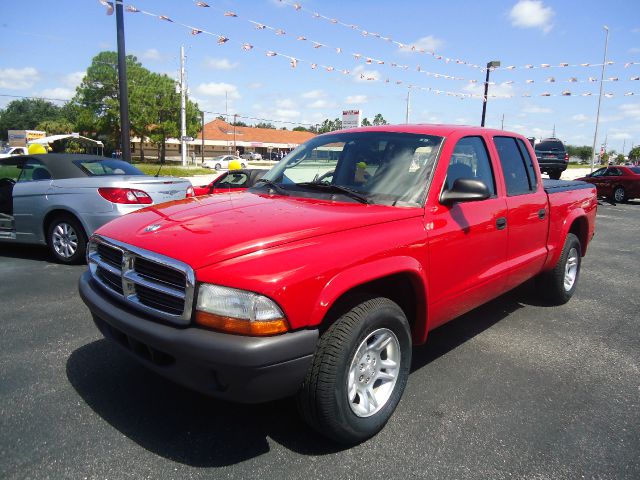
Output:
x=604 y=64
x=123 y=93
x=490 y=66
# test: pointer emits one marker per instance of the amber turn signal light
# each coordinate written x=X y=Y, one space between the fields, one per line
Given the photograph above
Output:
x=241 y=327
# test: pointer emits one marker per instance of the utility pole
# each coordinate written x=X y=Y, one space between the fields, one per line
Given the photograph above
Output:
x=624 y=144
x=604 y=64
x=553 y=134
x=123 y=91
x=235 y=118
x=183 y=110
x=202 y=123
x=502 y=123
x=408 y=104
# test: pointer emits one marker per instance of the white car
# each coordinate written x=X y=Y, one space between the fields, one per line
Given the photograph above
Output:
x=251 y=156
x=11 y=151
x=222 y=162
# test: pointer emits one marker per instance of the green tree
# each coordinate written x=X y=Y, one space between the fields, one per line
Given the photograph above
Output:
x=55 y=127
x=330 y=125
x=299 y=129
x=265 y=125
x=379 y=120
x=154 y=106
x=365 y=122
x=26 y=114
x=634 y=153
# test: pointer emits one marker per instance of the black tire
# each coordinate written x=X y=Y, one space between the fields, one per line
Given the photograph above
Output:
x=553 y=285
x=619 y=195
x=555 y=174
x=324 y=401
x=243 y=165
x=218 y=166
x=67 y=240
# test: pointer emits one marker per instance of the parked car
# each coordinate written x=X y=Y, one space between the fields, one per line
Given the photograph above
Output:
x=552 y=156
x=11 y=151
x=317 y=281
x=221 y=162
x=617 y=183
x=251 y=156
x=60 y=199
x=233 y=180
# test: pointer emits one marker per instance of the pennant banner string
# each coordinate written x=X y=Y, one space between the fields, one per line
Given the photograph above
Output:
x=221 y=39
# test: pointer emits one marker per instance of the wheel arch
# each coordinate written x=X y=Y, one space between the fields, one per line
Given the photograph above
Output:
x=580 y=228
x=401 y=280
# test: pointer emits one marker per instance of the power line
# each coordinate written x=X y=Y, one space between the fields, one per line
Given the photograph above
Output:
x=263 y=119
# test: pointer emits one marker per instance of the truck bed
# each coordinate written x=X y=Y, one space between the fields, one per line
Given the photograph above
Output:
x=555 y=186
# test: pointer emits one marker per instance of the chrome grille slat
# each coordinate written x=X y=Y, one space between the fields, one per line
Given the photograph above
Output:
x=152 y=283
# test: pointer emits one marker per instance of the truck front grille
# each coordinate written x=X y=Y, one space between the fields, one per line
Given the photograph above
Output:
x=152 y=283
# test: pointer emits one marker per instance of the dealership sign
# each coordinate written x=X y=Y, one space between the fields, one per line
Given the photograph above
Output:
x=351 y=118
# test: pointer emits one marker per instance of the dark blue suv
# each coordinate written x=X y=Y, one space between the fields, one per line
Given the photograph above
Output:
x=552 y=157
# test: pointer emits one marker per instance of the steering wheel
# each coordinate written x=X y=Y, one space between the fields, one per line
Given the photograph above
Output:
x=7 y=181
x=324 y=176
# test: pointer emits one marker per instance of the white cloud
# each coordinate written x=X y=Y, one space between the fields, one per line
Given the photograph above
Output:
x=536 y=109
x=314 y=94
x=286 y=103
x=580 y=117
x=531 y=14
x=621 y=135
x=220 y=64
x=321 y=103
x=495 y=91
x=255 y=85
x=213 y=89
x=286 y=114
x=631 y=110
x=429 y=43
x=58 y=93
x=360 y=74
x=72 y=80
x=152 y=54
x=18 y=78
x=356 y=99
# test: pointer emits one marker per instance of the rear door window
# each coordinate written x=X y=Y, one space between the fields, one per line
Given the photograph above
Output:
x=516 y=176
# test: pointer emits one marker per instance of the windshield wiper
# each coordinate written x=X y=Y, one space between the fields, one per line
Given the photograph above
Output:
x=330 y=187
x=272 y=185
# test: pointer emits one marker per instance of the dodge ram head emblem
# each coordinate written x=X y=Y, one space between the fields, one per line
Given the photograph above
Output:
x=152 y=228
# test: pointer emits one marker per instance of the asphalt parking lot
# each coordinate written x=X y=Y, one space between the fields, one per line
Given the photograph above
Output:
x=513 y=389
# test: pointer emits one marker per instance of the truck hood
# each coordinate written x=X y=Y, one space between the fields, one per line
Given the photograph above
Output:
x=205 y=230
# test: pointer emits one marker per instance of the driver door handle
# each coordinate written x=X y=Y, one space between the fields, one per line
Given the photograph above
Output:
x=501 y=223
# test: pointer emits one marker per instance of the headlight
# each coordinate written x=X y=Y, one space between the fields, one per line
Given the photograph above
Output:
x=238 y=311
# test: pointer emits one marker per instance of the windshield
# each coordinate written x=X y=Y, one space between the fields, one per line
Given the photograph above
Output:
x=106 y=166
x=6 y=150
x=384 y=168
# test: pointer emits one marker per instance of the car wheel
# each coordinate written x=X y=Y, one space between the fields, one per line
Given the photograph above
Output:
x=218 y=166
x=243 y=165
x=619 y=195
x=557 y=286
x=358 y=373
x=555 y=175
x=67 y=240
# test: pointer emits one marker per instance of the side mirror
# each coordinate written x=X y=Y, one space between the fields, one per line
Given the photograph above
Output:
x=465 y=190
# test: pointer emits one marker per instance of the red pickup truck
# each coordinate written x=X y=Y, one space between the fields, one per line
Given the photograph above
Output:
x=317 y=281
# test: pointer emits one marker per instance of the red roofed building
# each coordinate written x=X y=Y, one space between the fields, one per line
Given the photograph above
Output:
x=222 y=138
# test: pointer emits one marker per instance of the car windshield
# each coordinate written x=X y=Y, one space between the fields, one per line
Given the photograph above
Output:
x=550 y=146
x=386 y=168
x=106 y=166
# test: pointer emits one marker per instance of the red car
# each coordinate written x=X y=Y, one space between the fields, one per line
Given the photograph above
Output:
x=618 y=183
x=233 y=180
x=318 y=280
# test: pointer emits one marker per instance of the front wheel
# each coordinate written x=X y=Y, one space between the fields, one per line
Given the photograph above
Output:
x=67 y=240
x=218 y=167
x=358 y=373
x=558 y=285
x=619 y=195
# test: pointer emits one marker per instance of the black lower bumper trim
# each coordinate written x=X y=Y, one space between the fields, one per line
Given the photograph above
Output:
x=232 y=367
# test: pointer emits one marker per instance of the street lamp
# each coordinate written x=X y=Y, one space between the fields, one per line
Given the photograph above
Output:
x=604 y=64
x=490 y=66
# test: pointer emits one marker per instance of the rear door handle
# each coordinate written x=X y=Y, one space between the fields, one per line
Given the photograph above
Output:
x=542 y=213
x=501 y=223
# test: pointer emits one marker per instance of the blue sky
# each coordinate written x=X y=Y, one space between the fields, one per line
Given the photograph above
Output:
x=44 y=54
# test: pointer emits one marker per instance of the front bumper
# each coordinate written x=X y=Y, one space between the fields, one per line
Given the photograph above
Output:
x=231 y=367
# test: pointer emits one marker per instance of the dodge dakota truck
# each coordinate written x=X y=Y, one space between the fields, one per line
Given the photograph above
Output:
x=319 y=280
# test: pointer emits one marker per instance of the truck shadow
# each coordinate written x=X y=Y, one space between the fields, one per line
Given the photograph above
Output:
x=190 y=428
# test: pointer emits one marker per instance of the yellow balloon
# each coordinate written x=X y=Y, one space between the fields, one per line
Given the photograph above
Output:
x=36 y=148
x=234 y=165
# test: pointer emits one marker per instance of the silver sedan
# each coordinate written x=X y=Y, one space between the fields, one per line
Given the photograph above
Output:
x=60 y=199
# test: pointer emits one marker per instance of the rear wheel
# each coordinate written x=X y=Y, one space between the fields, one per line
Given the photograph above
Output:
x=218 y=167
x=358 y=373
x=555 y=174
x=66 y=239
x=557 y=286
x=619 y=195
